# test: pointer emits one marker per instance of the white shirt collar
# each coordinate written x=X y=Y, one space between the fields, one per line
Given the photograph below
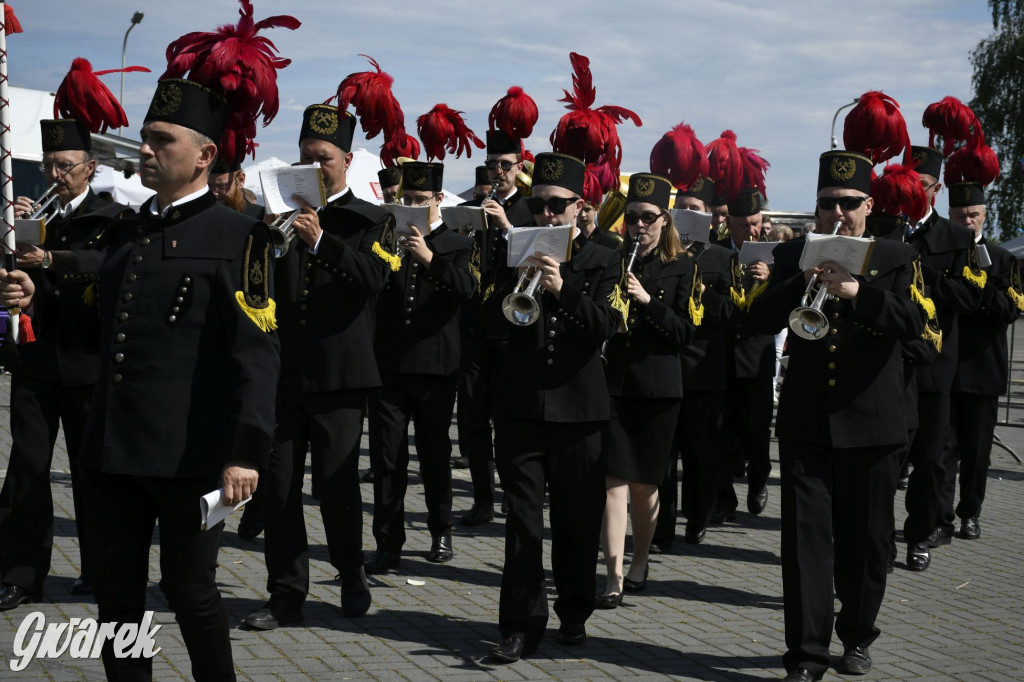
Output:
x=335 y=197
x=73 y=205
x=184 y=200
x=922 y=221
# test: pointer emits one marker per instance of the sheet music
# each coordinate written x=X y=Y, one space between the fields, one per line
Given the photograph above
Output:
x=28 y=231
x=758 y=252
x=417 y=215
x=553 y=241
x=692 y=226
x=464 y=219
x=984 y=259
x=213 y=509
x=279 y=184
x=853 y=253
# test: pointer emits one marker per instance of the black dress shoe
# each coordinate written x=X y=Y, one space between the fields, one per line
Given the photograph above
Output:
x=355 y=593
x=660 y=547
x=757 y=499
x=918 y=558
x=637 y=585
x=441 y=549
x=940 y=537
x=251 y=523
x=460 y=462
x=609 y=601
x=478 y=515
x=572 y=634
x=695 y=537
x=81 y=585
x=272 y=616
x=511 y=650
x=970 y=529
x=801 y=675
x=381 y=561
x=12 y=596
x=856 y=661
x=722 y=515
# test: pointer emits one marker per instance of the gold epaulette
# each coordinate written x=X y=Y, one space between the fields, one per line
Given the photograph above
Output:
x=972 y=271
x=254 y=298
x=932 y=332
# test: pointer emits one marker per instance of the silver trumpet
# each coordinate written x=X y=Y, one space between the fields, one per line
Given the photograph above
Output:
x=521 y=307
x=46 y=207
x=807 y=321
x=281 y=232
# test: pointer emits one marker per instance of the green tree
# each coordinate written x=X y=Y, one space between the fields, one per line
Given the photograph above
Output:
x=999 y=95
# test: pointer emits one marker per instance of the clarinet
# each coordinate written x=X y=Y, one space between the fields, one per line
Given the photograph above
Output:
x=634 y=251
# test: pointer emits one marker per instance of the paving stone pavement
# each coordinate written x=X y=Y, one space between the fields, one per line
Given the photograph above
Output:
x=711 y=611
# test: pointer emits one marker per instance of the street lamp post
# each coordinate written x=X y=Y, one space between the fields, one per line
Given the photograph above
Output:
x=136 y=19
x=835 y=143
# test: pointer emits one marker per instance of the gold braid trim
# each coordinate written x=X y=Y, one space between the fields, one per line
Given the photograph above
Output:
x=619 y=303
x=1017 y=297
x=89 y=295
x=738 y=297
x=696 y=312
x=978 y=278
x=264 y=318
x=475 y=271
x=933 y=333
x=391 y=259
x=926 y=303
x=755 y=292
x=490 y=290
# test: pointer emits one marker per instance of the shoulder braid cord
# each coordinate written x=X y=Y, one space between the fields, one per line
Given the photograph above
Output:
x=932 y=333
x=1014 y=292
x=695 y=305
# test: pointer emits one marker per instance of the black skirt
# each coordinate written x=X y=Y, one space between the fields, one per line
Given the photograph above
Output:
x=641 y=438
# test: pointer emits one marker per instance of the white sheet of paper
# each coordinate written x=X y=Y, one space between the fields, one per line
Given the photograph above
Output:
x=279 y=184
x=692 y=226
x=554 y=241
x=213 y=509
x=29 y=231
x=758 y=252
x=984 y=259
x=853 y=253
x=464 y=219
x=417 y=215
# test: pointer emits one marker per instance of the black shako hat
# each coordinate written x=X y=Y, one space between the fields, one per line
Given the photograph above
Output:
x=850 y=170
x=321 y=122
x=649 y=189
x=703 y=189
x=190 y=105
x=419 y=176
x=929 y=160
x=747 y=203
x=966 y=194
x=66 y=134
x=561 y=170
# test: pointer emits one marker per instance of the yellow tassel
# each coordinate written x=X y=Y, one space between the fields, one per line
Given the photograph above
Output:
x=391 y=259
x=978 y=279
x=264 y=318
x=738 y=297
x=89 y=295
x=933 y=334
x=755 y=292
x=696 y=312
x=619 y=303
x=926 y=303
x=475 y=271
x=1017 y=297
x=490 y=290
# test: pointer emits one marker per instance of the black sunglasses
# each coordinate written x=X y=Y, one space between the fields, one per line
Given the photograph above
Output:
x=492 y=164
x=556 y=205
x=647 y=217
x=845 y=203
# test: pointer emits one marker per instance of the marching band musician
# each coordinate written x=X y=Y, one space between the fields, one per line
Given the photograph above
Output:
x=390 y=180
x=341 y=257
x=644 y=379
x=549 y=419
x=417 y=350
x=841 y=425
x=227 y=182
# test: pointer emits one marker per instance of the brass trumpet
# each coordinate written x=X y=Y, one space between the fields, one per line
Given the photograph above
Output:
x=521 y=307
x=46 y=207
x=281 y=232
x=808 y=321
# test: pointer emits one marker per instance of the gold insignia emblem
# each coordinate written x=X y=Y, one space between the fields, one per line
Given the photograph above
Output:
x=842 y=169
x=697 y=186
x=644 y=187
x=256 y=272
x=550 y=170
x=324 y=121
x=920 y=156
x=167 y=100
x=755 y=203
x=417 y=177
x=963 y=195
x=55 y=135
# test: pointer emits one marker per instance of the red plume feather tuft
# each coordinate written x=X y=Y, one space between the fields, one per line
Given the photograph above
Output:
x=11 y=23
x=527 y=155
x=754 y=167
x=234 y=61
x=680 y=157
x=515 y=114
x=898 y=191
x=84 y=97
x=589 y=133
x=442 y=129
x=952 y=121
x=975 y=162
x=370 y=93
x=592 y=191
x=399 y=144
x=875 y=128
x=725 y=165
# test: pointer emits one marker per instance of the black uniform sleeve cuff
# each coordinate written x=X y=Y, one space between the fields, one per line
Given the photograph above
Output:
x=250 y=445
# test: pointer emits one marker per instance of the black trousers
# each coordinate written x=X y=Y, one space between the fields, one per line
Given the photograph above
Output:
x=120 y=512
x=746 y=434
x=837 y=512
x=566 y=457
x=928 y=475
x=427 y=401
x=474 y=416
x=969 y=449
x=329 y=425
x=26 y=502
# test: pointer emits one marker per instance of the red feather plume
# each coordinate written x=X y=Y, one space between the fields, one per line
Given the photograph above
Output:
x=875 y=128
x=515 y=114
x=754 y=168
x=11 y=23
x=589 y=133
x=399 y=143
x=680 y=157
x=975 y=162
x=84 y=97
x=236 y=62
x=592 y=192
x=725 y=165
x=952 y=121
x=442 y=129
x=898 y=191
x=527 y=155
x=370 y=93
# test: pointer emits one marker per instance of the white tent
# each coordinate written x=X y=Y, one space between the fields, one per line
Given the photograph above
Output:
x=128 y=191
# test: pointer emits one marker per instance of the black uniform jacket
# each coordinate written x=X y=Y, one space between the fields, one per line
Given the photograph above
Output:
x=67 y=332
x=418 y=309
x=846 y=389
x=704 y=358
x=982 y=358
x=748 y=355
x=552 y=370
x=326 y=307
x=186 y=375
x=643 y=362
x=606 y=239
x=945 y=249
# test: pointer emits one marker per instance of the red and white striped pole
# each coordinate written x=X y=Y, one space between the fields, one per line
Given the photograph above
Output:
x=6 y=178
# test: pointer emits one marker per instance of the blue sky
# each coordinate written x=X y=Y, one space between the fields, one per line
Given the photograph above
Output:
x=772 y=72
